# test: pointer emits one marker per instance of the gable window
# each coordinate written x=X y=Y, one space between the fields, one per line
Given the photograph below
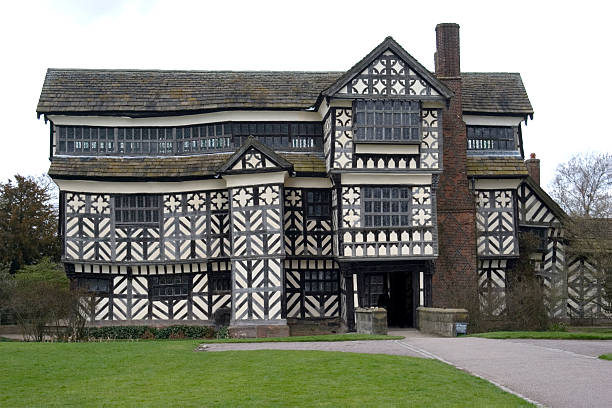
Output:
x=386 y=206
x=318 y=203
x=387 y=121
x=169 y=286
x=490 y=138
x=320 y=282
x=137 y=209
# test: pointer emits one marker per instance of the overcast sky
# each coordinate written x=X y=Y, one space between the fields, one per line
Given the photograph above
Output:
x=561 y=49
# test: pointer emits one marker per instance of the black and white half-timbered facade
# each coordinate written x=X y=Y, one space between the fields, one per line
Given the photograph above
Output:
x=283 y=197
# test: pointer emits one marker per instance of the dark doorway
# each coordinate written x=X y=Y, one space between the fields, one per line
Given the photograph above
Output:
x=400 y=311
x=391 y=290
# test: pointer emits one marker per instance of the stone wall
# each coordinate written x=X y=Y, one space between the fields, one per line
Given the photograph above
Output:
x=439 y=321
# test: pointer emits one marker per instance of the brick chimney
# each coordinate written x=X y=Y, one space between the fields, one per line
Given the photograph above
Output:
x=533 y=167
x=455 y=278
x=447 y=50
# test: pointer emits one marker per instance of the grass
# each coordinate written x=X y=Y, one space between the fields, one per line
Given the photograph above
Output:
x=556 y=335
x=324 y=337
x=606 y=356
x=164 y=373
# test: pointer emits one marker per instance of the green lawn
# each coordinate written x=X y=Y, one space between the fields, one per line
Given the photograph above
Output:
x=169 y=373
x=569 y=335
x=606 y=356
x=323 y=337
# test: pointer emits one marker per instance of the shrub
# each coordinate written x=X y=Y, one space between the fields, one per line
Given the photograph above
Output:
x=148 y=333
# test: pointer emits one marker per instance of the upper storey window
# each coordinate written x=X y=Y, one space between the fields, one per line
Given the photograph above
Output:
x=136 y=209
x=491 y=138
x=391 y=121
x=185 y=140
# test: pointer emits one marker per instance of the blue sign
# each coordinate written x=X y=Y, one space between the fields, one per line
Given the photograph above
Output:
x=461 y=328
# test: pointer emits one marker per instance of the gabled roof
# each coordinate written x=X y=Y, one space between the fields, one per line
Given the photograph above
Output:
x=388 y=44
x=546 y=199
x=494 y=93
x=252 y=144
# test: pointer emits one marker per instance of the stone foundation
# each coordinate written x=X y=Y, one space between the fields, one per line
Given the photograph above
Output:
x=440 y=321
x=272 y=330
x=313 y=327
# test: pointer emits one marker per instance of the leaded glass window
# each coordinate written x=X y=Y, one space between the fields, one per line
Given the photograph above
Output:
x=386 y=206
x=137 y=209
x=169 y=286
x=321 y=282
x=183 y=140
x=318 y=203
x=387 y=121
x=97 y=286
x=490 y=138
x=220 y=282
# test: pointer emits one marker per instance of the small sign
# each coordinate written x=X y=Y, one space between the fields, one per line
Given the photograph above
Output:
x=460 y=328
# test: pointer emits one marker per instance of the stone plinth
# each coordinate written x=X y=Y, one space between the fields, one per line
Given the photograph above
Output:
x=272 y=330
x=371 y=320
x=433 y=320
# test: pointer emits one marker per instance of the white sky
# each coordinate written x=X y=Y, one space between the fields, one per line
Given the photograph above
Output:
x=562 y=50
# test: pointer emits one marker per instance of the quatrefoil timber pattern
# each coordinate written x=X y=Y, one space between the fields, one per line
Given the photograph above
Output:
x=388 y=75
x=192 y=226
x=254 y=156
x=417 y=238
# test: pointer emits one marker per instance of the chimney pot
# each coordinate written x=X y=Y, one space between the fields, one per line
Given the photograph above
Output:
x=533 y=167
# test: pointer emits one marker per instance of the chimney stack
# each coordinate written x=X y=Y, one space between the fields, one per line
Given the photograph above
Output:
x=447 y=50
x=533 y=167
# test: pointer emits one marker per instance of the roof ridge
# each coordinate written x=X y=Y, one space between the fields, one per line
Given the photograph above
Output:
x=188 y=70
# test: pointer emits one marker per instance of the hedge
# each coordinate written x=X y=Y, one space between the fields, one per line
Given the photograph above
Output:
x=146 y=332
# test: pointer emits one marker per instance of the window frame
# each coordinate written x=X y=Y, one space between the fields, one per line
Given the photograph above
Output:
x=308 y=204
x=154 y=209
x=403 y=212
x=77 y=283
x=184 y=285
x=220 y=277
x=478 y=143
x=385 y=120
x=322 y=279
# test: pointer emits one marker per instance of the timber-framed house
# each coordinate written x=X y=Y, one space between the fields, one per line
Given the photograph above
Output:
x=291 y=198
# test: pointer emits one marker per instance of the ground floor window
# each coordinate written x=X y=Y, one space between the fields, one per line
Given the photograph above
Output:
x=169 y=286
x=97 y=286
x=320 y=282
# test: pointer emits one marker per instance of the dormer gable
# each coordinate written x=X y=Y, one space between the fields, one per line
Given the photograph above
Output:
x=389 y=71
x=253 y=156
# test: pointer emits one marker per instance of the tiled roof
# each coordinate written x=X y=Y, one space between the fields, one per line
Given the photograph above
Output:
x=164 y=168
x=141 y=92
x=496 y=167
x=495 y=92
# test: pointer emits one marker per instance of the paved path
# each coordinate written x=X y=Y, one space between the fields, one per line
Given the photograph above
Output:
x=553 y=373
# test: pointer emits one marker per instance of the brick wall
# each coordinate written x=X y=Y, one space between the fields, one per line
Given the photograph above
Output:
x=455 y=277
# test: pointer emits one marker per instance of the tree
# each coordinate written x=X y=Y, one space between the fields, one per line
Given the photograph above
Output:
x=43 y=303
x=583 y=188
x=583 y=185
x=28 y=225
